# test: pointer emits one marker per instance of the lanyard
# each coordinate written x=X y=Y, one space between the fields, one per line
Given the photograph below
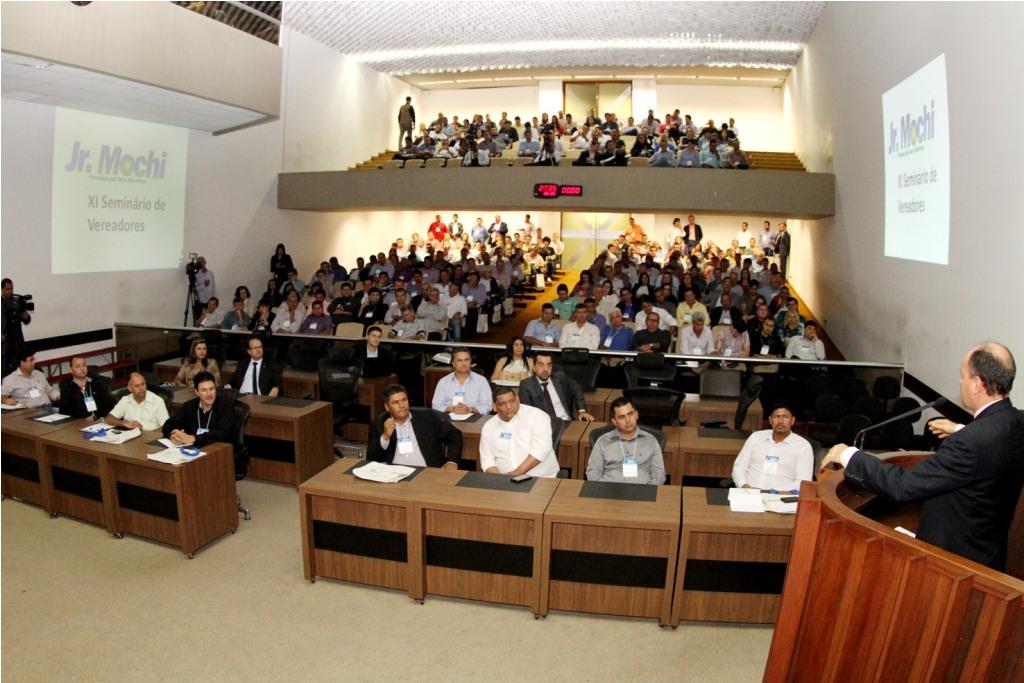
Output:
x=199 y=419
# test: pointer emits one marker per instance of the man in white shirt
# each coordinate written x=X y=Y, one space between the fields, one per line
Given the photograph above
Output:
x=256 y=375
x=140 y=409
x=579 y=334
x=211 y=318
x=695 y=339
x=457 y=309
x=517 y=440
x=289 y=315
x=743 y=235
x=26 y=385
x=807 y=346
x=776 y=458
x=462 y=392
x=206 y=285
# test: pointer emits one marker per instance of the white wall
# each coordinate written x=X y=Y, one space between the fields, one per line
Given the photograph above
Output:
x=551 y=98
x=757 y=110
x=518 y=101
x=336 y=112
x=889 y=309
x=645 y=97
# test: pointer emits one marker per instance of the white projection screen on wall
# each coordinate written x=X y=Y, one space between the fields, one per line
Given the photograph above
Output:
x=118 y=196
x=916 y=145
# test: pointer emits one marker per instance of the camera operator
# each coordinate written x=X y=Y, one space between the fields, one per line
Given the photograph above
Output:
x=15 y=314
x=206 y=287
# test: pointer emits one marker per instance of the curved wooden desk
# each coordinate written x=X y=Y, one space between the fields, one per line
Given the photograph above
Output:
x=864 y=602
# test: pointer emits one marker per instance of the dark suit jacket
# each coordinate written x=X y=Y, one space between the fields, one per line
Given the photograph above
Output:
x=782 y=244
x=698 y=233
x=219 y=423
x=969 y=487
x=431 y=432
x=569 y=393
x=716 y=314
x=270 y=376
x=72 y=401
x=381 y=366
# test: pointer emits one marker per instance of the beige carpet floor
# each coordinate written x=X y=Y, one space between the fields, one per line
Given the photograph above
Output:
x=79 y=605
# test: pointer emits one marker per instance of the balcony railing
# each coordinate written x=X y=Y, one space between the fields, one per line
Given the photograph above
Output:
x=260 y=19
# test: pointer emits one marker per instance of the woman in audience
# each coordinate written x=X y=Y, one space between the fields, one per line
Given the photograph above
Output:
x=263 y=319
x=280 y=264
x=248 y=305
x=197 y=362
x=792 y=327
x=273 y=294
x=514 y=366
x=643 y=285
x=609 y=299
x=584 y=288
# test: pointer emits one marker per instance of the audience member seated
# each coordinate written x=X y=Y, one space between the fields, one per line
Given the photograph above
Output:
x=652 y=337
x=399 y=436
x=579 y=333
x=514 y=366
x=345 y=307
x=543 y=332
x=626 y=454
x=373 y=359
x=518 y=440
x=615 y=335
x=273 y=294
x=457 y=310
x=237 y=319
x=689 y=157
x=792 y=305
x=709 y=157
x=432 y=313
x=374 y=311
x=255 y=374
x=590 y=156
x=26 y=385
x=263 y=321
x=775 y=459
x=688 y=307
x=462 y=392
x=724 y=313
x=564 y=305
x=807 y=346
x=409 y=326
x=765 y=343
x=205 y=419
x=289 y=315
x=209 y=317
x=734 y=342
x=696 y=338
x=139 y=408
x=80 y=396
x=317 y=322
x=555 y=393
x=196 y=363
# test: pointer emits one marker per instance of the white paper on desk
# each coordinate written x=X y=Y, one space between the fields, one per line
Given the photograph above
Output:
x=97 y=427
x=745 y=500
x=173 y=456
x=505 y=382
x=692 y=398
x=382 y=472
x=167 y=443
x=117 y=436
x=908 y=532
x=55 y=417
x=460 y=417
x=780 y=507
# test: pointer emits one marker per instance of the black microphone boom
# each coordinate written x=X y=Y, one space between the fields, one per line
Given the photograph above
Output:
x=858 y=441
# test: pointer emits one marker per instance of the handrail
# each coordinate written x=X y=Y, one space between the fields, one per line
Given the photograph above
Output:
x=499 y=347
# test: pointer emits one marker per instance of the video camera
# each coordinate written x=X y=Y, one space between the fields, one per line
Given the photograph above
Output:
x=22 y=304
x=192 y=267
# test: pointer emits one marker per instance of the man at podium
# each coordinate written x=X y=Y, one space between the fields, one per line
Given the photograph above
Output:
x=971 y=484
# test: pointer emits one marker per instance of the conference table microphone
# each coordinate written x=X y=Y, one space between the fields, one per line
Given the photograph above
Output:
x=858 y=441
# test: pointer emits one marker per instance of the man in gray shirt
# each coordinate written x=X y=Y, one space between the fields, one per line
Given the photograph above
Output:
x=627 y=454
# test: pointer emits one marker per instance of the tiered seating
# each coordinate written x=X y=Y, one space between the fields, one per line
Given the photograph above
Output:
x=780 y=161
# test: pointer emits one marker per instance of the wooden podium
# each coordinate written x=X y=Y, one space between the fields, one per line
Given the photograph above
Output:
x=864 y=602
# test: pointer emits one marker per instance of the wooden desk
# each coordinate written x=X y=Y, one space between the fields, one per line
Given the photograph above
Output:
x=610 y=556
x=670 y=455
x=569 y=448
x=432 y=374
x=598 y=400
x=288 y=444
x=712 y=410
x=482 y=543
x=187 y=506
x=708 y=457
x=361 y=531
x=300 y=383
x=25 y=475
x=731 y=564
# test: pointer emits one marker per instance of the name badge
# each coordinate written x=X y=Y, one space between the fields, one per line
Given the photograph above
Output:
x=34 y=392
x=608 y=343
x=771 y=464
x=201 y=431
x=469 y=298
x=726 y=320
x=235 y=326
x=687 y=317
x=505 y=441
x=368 y=314
x=630 y=469
x=764 y=349
x=459 y=398
x=696 y=351
x=312 y=326
x=728 y=351
x=90 y=404
x=405 y=445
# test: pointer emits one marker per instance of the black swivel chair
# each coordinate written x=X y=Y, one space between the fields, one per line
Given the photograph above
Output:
x=596 y=434
x=873 y=408
x=657 y=407
x=829 y=409
x=339 y=386
x=241 y=451
x=747 y=397
x=849 y=426
x=578 y=364
x=885 y=389
x=649 y=370
x=557 y=429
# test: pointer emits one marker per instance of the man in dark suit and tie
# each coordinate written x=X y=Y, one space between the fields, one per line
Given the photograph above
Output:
x=422 y=439
x=255 y=374
x=971 y=485
x=782 y=243
x=556 y=394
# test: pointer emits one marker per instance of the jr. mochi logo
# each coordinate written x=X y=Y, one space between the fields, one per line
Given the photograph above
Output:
x=913 y=131
x=114 y=161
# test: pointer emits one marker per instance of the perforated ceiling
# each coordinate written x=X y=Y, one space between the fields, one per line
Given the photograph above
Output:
x=403 y=38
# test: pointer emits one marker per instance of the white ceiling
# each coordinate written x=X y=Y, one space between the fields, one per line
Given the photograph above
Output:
x=403 y=38
x=33 y=80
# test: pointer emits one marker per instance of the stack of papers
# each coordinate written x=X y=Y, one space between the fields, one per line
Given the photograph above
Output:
x=460 y=417
x=97 y=428
x=116 y=436
x=382 y=472
x=746 y=500
x=775 y=504
x=55 y=417
x=174 y=456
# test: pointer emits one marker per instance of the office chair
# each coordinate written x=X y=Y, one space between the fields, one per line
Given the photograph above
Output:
x=829 y=410
x=577 y=364
x=750 y=393
x=164 y=393
x=902 y=405
x=241 y=451
x=557 y=429
x=849 y=426
x=885 y=389
x=872 y=407
x=649 y=370
x=657 y=407
x=339 y=386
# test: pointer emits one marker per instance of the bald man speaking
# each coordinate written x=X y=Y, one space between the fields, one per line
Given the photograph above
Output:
x=971 y=484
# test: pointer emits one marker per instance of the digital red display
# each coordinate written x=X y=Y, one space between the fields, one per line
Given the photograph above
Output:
x=551 y=190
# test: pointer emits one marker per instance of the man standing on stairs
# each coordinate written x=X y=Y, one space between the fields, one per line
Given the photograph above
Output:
x=782 y=248
x=406 y=120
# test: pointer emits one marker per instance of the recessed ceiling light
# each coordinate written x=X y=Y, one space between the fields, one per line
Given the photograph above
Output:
x=474 y=80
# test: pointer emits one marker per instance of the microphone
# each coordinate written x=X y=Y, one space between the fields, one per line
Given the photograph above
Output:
x=858 y=441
